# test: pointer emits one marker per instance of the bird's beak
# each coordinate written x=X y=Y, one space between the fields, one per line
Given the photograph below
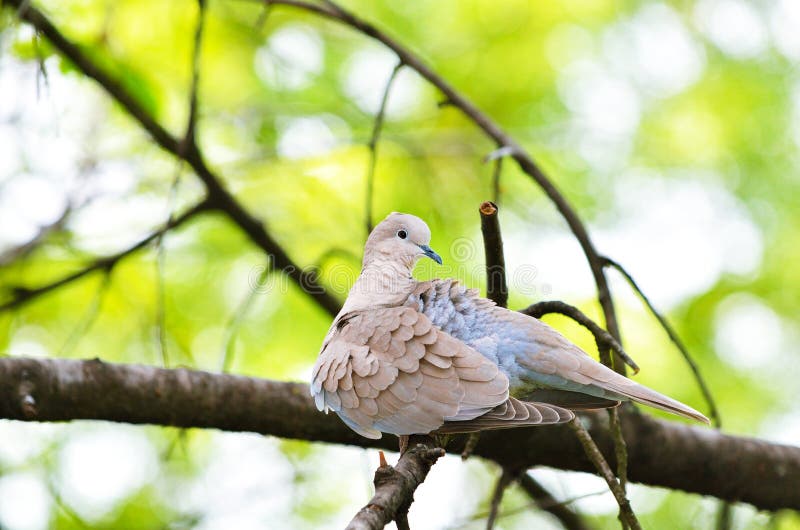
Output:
x=428 y=251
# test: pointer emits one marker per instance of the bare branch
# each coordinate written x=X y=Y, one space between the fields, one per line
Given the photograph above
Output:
x=546 y=502
x=626 y=515
x=661 y=453
x=191 y=126
x=395 y=486
x=503 y=482
x=498 y=171
x=496 y=287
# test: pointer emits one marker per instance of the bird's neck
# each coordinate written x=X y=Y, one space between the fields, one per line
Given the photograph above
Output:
x=381 y=283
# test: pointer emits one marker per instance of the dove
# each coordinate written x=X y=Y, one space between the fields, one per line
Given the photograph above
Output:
x=411 y=357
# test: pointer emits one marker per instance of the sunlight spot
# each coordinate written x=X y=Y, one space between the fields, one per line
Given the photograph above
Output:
x=23 y=441
x=30 y=341
x=448 y=494
x=603 y=103
x=677 y=236
x=25 y=502
x=101 y=466
x=109 y=224
x=14 y=231
x=784 y=21
x=26 y=204
x=10 y=161
x=364 y=80
x=246 y=484
x=35 y=199
x=656 y=50
x=734 y=26
x=291 y=58
x=748 y=333
x=784 y=428
x=310 y=136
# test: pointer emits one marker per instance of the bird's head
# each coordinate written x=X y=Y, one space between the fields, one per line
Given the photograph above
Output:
x=400 y=237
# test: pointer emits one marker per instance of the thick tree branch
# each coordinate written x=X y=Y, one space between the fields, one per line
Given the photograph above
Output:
x=190 y=153
x=661 y=453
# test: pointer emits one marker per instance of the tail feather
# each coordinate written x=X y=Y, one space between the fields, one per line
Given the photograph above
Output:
x=647 y=396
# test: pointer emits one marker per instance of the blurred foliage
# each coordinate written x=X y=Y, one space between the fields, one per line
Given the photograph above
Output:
x=610 y=97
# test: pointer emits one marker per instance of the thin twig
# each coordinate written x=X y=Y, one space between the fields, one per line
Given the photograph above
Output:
x=41 y=69
x=603 y=337
x=724 y=516
x=503 y=482
x=395 y=486
x=620 y=447
x=161 y=288
x=496 y=288
x=55 y=493
x=23 y=295
x=88 y=318
x=716 y=419
x=498 y=170
x=546 y=502
x=191 y=125
x=17 y=253
x=534 y=504
x=593 y=453
x=232 y=328
x=373 y=144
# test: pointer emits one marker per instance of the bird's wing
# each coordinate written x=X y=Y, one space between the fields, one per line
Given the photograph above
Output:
x=391 y=370
x=512 y=413
x=554 y=362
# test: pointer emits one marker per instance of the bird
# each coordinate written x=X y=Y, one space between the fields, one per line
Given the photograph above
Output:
x=407 y=357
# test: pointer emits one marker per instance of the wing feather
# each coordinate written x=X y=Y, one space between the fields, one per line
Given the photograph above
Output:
x=392 y=370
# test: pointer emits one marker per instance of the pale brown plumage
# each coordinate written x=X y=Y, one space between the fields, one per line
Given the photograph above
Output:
x=407 y=357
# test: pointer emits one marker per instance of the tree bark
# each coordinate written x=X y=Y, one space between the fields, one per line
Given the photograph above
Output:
x=661 y=453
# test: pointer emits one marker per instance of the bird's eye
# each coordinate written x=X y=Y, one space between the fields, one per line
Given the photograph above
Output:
x=402 y=234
